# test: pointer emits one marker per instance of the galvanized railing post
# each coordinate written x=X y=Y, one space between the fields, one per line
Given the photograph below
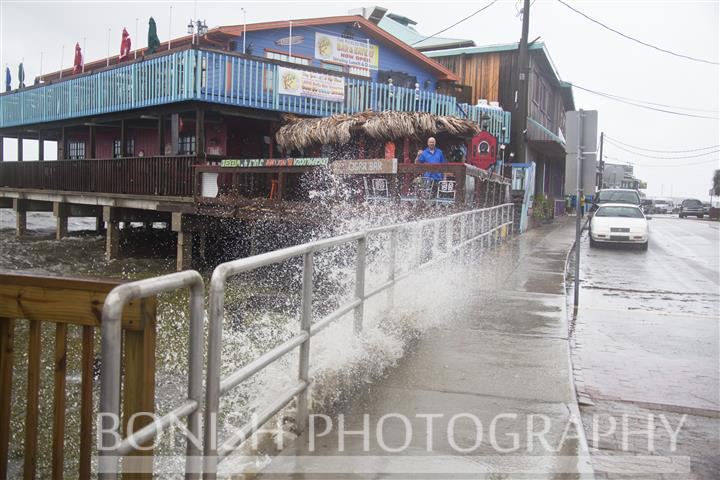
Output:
x=360 y=283
x=301 y=417
x=216 y=309
x=391 y=266
x=448 y=235
x=512 y=219
x=111 y=347
x=418 y=245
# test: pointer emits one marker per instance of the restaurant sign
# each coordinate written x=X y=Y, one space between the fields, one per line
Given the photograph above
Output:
x=353 y=53
x=294 y=40
x=304 y=83
x=274 y=162
x=364 y=166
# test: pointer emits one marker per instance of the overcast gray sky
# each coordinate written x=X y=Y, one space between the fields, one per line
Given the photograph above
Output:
x=583 y=53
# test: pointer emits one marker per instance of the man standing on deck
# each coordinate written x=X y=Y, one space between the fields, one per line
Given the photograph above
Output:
x=431 y=154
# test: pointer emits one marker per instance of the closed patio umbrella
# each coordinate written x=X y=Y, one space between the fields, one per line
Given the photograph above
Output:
x=78 y=63
x=153 y=40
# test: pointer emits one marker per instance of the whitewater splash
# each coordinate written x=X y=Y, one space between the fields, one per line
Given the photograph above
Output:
x=342 y=363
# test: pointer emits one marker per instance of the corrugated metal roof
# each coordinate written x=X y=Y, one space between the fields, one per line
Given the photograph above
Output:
x=417 y=40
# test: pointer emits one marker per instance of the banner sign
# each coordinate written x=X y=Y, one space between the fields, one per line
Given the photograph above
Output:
x=352 y=53
x=303 y=83
x=364 y=166
x=294 y=40
x=274 y=162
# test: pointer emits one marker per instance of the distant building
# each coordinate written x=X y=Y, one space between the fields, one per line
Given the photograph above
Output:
x=488 y=75
x=620 y=176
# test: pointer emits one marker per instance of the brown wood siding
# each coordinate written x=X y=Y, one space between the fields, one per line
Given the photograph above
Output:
x=545 y=103
x=481 y=72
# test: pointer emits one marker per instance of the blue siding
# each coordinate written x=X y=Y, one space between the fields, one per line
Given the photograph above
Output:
x=390 y=58
x=221 y=78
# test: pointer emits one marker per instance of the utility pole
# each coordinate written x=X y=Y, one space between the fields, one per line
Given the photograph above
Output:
x=601 y=162
x=523 y=81
x=578 y=209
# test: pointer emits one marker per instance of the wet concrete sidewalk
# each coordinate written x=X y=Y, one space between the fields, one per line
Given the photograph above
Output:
x=488 y=395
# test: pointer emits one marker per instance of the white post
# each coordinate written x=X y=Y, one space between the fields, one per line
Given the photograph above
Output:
x=41 y=59
x=107 y=60
x=137 y=44
x=244 y=28
x=290 y=44
x=62 y=54
x=170 y=29
x=368 y=58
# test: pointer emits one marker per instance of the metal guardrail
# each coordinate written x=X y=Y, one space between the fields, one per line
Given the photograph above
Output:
x=473 y=226
x=116 y=300
x=461 y=230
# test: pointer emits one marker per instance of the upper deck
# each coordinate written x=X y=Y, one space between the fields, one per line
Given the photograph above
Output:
x=221 y=77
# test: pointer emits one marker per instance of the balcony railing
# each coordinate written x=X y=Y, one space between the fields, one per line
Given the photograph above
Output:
x=162 y=176
x=220 y=77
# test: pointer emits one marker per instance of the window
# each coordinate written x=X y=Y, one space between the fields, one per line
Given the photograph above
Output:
x=623 y=212
x=273 y=55
x=76 y=150
x=129 y=148
x=618 y=196
x=187 y=145
x=332 y=66
x=363 y=72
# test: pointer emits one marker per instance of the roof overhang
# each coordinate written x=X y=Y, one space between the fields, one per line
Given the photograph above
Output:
x=225 y=32
x=388 y=39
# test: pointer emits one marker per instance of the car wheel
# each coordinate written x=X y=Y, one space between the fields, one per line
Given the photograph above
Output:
x=681 y=215
x=593 y=243
x=644 y=246
x=700 y=216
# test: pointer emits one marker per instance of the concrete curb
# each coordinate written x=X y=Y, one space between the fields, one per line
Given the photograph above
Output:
x=583 y=456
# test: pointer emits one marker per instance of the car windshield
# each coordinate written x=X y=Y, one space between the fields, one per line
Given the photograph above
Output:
x=693 y=203
x=625 y=212
x=609 y=196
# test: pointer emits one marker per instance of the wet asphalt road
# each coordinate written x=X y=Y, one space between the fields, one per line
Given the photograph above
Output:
x=646 y=342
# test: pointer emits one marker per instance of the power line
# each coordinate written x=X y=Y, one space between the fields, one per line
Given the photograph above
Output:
x=456 y=23
x=710 y=147
x=662 y=110
x=673 y=165
x=703 y=154
x=647 y=101
x=695 y=59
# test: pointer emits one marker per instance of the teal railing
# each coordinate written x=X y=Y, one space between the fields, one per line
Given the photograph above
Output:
x=219 y=77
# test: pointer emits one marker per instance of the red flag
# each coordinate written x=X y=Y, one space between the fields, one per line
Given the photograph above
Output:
x=124 y=45
x=78 y=63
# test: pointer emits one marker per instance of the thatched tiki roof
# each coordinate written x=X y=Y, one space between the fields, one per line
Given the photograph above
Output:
x=301 y=133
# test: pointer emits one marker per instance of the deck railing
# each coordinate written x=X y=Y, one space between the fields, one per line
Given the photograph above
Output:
x=163 y=176
x=72 y=308
x=223 y=186
x=221 y=77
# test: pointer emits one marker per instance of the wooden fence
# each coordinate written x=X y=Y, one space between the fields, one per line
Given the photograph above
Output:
x=68 y=304
x=170 y=176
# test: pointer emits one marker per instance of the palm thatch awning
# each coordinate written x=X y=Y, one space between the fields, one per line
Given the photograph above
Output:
x=301 y=133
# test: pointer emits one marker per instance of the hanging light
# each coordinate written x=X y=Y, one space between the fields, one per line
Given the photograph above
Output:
x=190 y=28
x=202 y=27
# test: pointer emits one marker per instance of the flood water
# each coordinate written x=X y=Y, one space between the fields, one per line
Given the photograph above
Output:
x=262 y=310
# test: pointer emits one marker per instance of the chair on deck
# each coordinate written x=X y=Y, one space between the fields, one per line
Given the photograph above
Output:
x=424 y=187
x=377 y=189
x=445 y=191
